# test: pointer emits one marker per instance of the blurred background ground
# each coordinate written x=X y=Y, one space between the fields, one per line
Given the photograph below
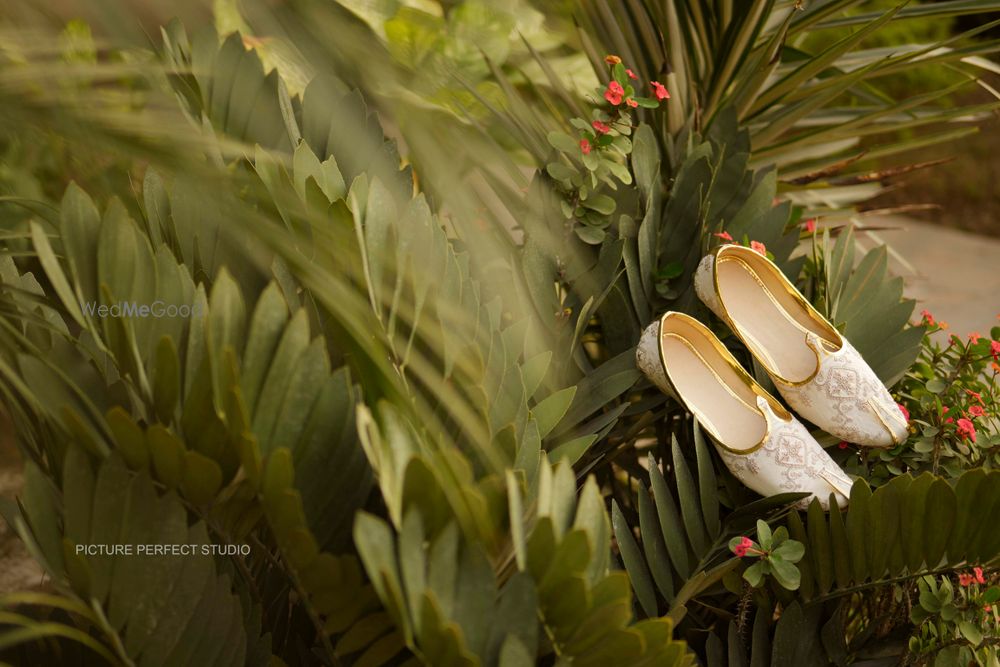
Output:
x=952 y=273
x=17 y=570
x=964 y=190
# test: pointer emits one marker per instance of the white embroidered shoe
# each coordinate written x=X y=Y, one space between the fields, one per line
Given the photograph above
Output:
x=816 y=370
x=763 y=445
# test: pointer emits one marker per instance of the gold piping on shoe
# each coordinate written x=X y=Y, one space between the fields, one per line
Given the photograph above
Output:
x=880 y=415
x=727 y=357
x=791 y=291
x=838 y=489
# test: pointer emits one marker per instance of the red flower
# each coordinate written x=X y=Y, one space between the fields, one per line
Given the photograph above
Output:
x=996 y=367
x=843 y=444
x=809 y=225
x=928 y=318
x=976 y=411
x=966 y=430
x=612 y=59
x=995 y=350
x=979 y=575
x=585 y=146
x=987 y=608
x=974 y=337
x=631 y=74
x=975 y=395
x=741 y=549
x=632 y=103
x=757 y=246
x=906 y=413
x=600 y=127
x=614 y=93
x=723 y=235
x=965 y=579
x=659 y=90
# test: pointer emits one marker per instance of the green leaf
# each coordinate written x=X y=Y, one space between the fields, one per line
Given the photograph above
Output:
x=559 y=171
x=166 y=379
x=226 y=323
x=791 y=551
x=129 y=437
x=707 y=486
x=687 y=494
x=201 y=478
x=167 y=453
x=645 y=159
x=603 y=204
x=971 y=633
x=670 y=522
x=819 y=546
x=590 y=235
x=79 y=225
x=930 y=601
x=653 y=545
x=786 y=574
x=858 y=521
x=764 y=535
x=634 y=562
x=54 y=271
x=549 y=412
x=755 y=574
x=572 y=450
x=564 y=142
x=533 y=371
x=936 y=386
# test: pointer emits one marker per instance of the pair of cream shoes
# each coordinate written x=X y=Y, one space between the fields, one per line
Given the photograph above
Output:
x=820 y=375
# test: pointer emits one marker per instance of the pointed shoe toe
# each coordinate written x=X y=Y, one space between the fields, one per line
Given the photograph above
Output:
x=763 y=445
x=814 y=368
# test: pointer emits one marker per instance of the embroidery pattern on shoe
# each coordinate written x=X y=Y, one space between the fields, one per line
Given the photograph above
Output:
x=647 y=356
x=704 y=285
x=845 y=396
x=788 y=454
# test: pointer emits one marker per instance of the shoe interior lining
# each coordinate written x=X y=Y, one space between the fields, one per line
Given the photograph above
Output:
x=771 y=321
x=712 y=389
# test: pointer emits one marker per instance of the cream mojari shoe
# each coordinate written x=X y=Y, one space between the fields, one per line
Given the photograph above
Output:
x=814 y=368
x=763 y=445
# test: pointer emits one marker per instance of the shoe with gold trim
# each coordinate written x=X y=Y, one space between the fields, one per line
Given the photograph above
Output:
x=764 y=445
x=816 y=370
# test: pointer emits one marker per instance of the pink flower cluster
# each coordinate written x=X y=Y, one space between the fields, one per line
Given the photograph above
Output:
x=756 y=246
x=617 y=94
x=741 y=549
x=966 y=579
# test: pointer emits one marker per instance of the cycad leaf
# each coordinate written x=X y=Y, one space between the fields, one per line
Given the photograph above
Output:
x=635 y=564
x=707 y=489
x=670 y=521
x=687 y=494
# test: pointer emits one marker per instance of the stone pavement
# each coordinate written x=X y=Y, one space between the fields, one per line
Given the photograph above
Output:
x=953 y=274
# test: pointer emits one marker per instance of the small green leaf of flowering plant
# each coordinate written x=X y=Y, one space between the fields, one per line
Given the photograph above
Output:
x=951 y=399
x=669 y=272
x=764 y=535
x=777 y=553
